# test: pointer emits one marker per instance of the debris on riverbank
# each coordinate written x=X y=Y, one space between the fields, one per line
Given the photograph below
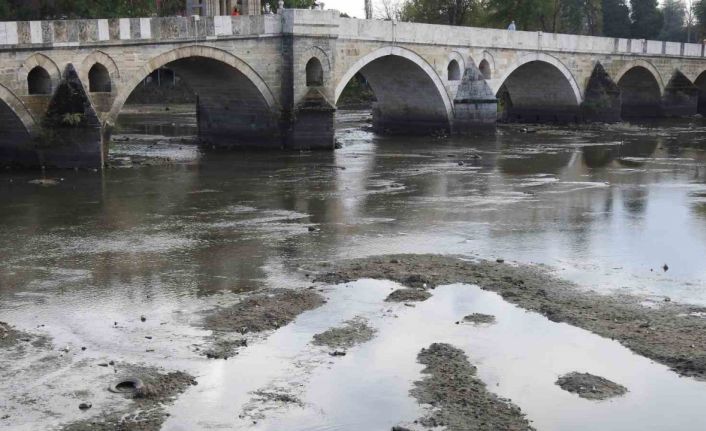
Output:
x=408 y=295
x=11 y=337
x=352 y=333
x=590 y=387
x=146 y=412
x=263 y=312
x=459 y=400
x=222 y=348
x=671 y=334
x=480 y=319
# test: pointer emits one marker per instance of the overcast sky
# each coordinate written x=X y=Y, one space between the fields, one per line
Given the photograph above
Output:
x=354 y=8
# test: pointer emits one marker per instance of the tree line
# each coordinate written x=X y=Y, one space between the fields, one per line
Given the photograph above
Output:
x=62 y=9
x=674 y=20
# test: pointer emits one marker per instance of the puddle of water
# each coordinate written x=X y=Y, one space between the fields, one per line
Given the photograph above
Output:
x=519 y=358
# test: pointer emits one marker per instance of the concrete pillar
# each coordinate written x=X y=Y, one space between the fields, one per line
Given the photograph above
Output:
x=313 y=123
x=681 y=97
x=602 y=101
x=475 y=105
x=71 y=135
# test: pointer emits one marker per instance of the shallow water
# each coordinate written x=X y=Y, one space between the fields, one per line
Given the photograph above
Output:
x=604 y=208
x=519 y=358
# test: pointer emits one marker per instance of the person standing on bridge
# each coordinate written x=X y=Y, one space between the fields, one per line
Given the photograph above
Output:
x=235 y=12
x=512 y=26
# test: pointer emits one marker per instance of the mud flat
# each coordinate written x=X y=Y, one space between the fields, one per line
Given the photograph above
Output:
x=479 y=319
x=353 y=332
x=590 y=387
x=11 y=338
x=459 y=400
x=408 y=295
x=671 y=334
x=146 y=412
x=262 y=312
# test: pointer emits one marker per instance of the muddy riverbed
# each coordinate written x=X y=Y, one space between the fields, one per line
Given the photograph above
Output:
x=548 y=280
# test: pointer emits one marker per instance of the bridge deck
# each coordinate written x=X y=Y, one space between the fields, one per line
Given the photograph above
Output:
x=97 y=32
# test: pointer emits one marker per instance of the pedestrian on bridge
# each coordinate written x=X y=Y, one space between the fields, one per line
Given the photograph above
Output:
x=236 y=12
x=512 y=26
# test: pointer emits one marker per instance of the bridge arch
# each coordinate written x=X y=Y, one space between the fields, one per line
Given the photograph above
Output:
x=235 y=104
x=314 y=73
x=99 y=80
x=453 y=71
x=411 y=95
x=700 y=83
x=485 y=69
x=538 y=87
x=488 y=63
x=39 y=82
x=644 y=64
x=455 y=59
x=641 y=90
x=32 y=63
x=102 y=59
x=319 y=54
x=17 y=128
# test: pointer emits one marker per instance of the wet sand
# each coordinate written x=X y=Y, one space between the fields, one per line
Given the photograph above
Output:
x=146 y=411
x=461 y=401
x=353 y=332
x=671 y=334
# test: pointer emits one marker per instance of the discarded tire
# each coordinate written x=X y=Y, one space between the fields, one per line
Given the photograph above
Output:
x=130 y=385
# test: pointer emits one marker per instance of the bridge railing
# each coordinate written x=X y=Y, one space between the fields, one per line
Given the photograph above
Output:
x=41 y=34
x=125 y=30
x=406 y=32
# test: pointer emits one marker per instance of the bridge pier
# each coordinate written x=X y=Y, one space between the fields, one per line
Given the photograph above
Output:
x=602 y=102
x=313 y=125
x=71 y=134
x=681 y=97
x=475 y=105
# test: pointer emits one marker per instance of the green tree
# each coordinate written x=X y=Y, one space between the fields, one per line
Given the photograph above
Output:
x=593 y=14
x=700 y=14
x=529 y=15
x=450 y=12
x=580 y=17
x=616 y=19
x=646 y=19
x=13 y=10
x=674 y=14
x=171 y=7
x=293 y=4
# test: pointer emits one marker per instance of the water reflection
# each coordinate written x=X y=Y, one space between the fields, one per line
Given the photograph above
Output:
x=605 y=208
x=578 y=201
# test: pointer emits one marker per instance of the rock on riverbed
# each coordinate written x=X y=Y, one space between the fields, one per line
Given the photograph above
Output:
x=353 y=332
x=590 y=387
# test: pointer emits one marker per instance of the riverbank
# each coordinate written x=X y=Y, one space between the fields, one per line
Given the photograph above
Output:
x=669 y=333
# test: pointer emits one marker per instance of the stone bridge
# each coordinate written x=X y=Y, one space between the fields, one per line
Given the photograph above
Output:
x=275 y=80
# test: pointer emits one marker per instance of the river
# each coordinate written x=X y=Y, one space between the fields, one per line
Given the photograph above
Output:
x=172 y=230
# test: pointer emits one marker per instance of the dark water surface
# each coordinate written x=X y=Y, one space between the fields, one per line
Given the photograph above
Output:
x=606 y=208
